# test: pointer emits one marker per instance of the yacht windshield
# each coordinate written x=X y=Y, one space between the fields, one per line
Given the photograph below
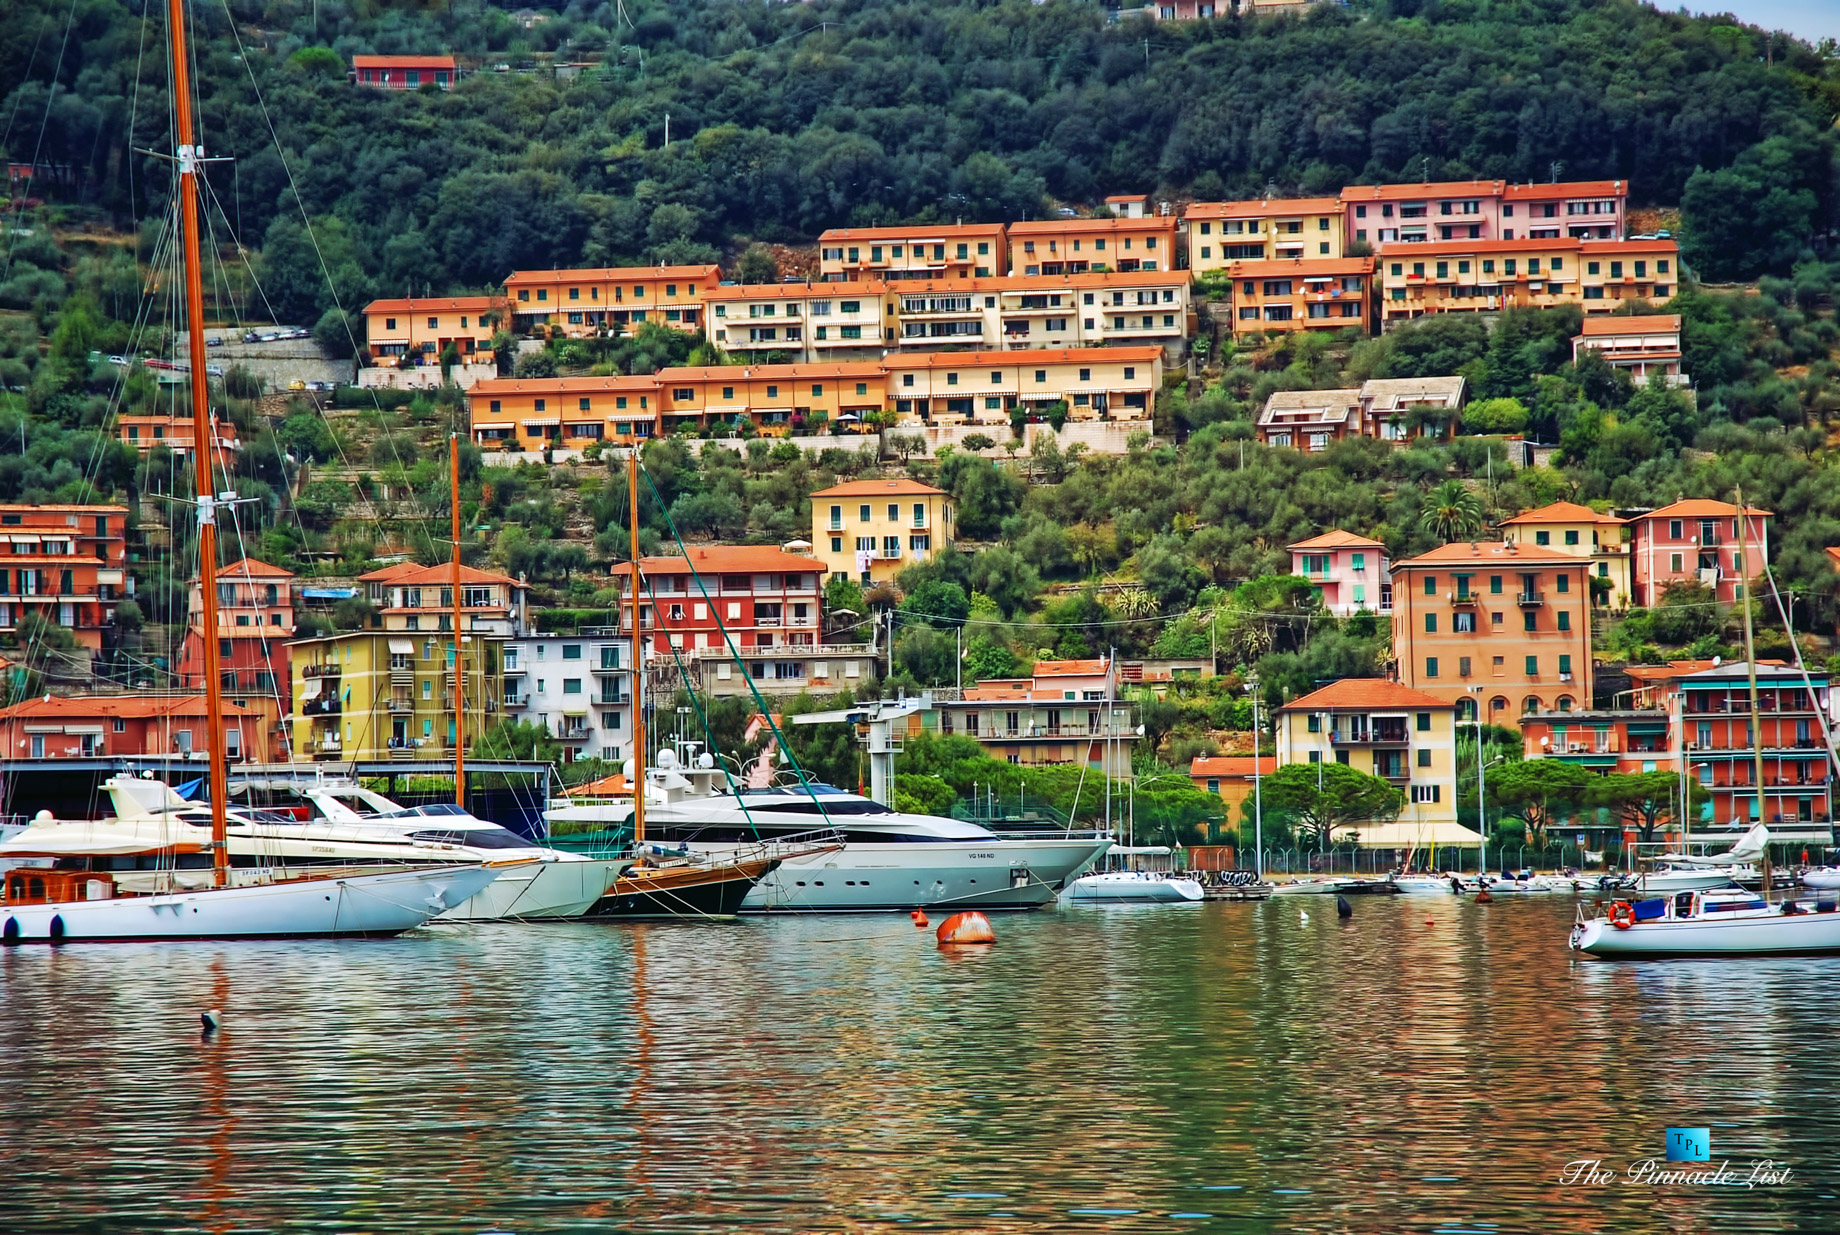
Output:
x=487 y=837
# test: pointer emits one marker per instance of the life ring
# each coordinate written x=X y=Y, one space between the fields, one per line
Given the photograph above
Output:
x=1622 y=915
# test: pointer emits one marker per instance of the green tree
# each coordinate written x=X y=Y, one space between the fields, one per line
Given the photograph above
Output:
x=517 y=739
x=1646 y=803
x=756 y=265
x=1452 y=511
x=1539 y=792
x=1323 y=799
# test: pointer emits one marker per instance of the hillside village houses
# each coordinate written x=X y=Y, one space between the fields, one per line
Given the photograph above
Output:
x=1580 y=532
x=1390 y=409
x=871 y=530
x=1349 y=572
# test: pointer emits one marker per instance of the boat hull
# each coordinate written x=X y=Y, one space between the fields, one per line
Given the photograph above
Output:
x=872 y=877
x=691 y=892
x=1095 y=889
x=1771 y=934
x=361 y=905
x=543 y=890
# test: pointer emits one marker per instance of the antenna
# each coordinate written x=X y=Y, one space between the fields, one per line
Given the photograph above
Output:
x=1554 y=168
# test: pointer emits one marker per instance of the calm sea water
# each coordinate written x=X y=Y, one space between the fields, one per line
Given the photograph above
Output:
x=1428 y=1066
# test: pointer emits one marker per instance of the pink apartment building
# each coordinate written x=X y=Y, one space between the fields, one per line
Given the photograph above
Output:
x=1349 y=572
x=1484 y=210
x=1697 y=539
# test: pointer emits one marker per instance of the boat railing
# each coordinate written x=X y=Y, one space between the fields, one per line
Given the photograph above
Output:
x=1050 y=833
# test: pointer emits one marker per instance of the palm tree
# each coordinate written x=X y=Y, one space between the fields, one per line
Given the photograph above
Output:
x=1451 y=512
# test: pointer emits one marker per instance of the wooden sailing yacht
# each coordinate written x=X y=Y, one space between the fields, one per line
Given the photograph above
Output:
x=79 y=896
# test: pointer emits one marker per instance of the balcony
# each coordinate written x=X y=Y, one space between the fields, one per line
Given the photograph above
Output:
x=1463 y=598
x=1530 y=599
x=320 y=708
x=612 y=701
x=514 y=702
x=401 y=706
x=319 y=671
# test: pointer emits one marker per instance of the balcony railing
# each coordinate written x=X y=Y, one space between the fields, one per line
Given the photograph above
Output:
x=1531 y=598
x=320 y=671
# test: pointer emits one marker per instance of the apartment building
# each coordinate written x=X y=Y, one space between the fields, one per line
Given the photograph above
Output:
x=255 y=621
x=1505 y=622
x=1080 y=245
x=1583 y=533
x=774 y=398
x=412 y=331
x=1048 y=311
x=175 y=433
x=1491 y=275
x=374 y=695
x=610 y=300
x=1275 y=297
x=1349 y=572
x=802 y=322
x=564 y=411
x=1380 y=214
x=421 y=598
x=952 y=388
x=1230 y=778
x=111 y=726
x=1403 y=736
x=576 y=686
x=1065 y=712
x=1697 y=539
x=886 y=254
x=1642 y=344
x=1274 y=229
x=726 y=597
x=404 y=72
x=871 y=530
x=66 y=563
x=1390 y=409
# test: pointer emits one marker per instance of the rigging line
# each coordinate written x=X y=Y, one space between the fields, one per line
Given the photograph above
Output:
x=134 y=109
x=44 y=123
x=19 y=102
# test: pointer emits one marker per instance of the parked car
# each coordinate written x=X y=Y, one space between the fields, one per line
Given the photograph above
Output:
x=297 y=384
x=214 y=341
x=120 y=362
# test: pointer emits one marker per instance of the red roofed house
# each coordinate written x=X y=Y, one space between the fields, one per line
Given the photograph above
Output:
x=405 y=332
x=1582 y=533
x=93 y=726
x=420 y=598
x=870 y=530
x=255 y=619
x=1485 y=210
x=1643 y=343
x=175 y=433
x=1503 y=622
x=1349 y=571
x=1697 y=539
x=1315 y=294
x=1067 y=711
x=1230 y=777
x=404 y=72
x=68 y=563
x=1403 y=736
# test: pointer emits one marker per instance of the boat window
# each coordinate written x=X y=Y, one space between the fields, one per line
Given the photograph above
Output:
x=807 y=807
x=478 y=838
x=430 y=811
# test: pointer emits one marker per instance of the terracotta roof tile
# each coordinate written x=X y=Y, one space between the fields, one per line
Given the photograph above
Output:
x=1561 y=512
x=1486 y=552
x=1364 y=693
x=1337 y=539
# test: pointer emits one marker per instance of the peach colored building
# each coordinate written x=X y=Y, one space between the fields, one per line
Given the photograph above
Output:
x=175 y=434
x=67 y=563
x=1066 y=711
x=1697 y=539
x=803 y=322
x=1491 y=275
x=1229 y=777
x=1583 y=533
x=1349 y=572
x=1403 y=736
x=421 y=598
x=255 y=620
x=1274 y=229
x=1313 y=294
x=1380 y=214
x=611 y=300
x=871 y=530
x=408 y=332
x=777 y=398
x=1093 y=309
x=950 y=388
x=1505 y=623
x=1644 y=344
x=91 y=726
x=404 y=72
x=938 y=251
x=574 y=412
x=1391 y=409
x=1080 y=245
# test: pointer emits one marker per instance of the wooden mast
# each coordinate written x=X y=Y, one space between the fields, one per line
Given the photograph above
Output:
x=1750 y=666
x=203 y=470
x=638 y=648
x=453 y=483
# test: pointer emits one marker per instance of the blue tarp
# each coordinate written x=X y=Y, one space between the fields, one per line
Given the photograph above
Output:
x=191 y=790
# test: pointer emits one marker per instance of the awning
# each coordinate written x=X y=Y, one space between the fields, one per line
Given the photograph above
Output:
x=1043 y=398
x=1410 y=835
x=574 y=708
x=1318 y=278
x=80 y=730
x=541 y=422
x=311 y=689
x=402 y=647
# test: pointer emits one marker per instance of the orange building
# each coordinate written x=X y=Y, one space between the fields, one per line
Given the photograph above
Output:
x=756 y=596
x=568 y=411
x=1504 y=622
x=1078 y=246
x=255 y=619
x=421 y=598
x=610 y=300
x=68 y=563
x=399 y=333
x=777 y=398
x=1311 y=294
x=1491 y=275
x=404 y=72
x=91 y=726
x=956 y=251
x=1230 y=778
x=175 y=433
x=802 y=321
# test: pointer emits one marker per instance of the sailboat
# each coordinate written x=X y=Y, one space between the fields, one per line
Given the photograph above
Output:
x=78 y=897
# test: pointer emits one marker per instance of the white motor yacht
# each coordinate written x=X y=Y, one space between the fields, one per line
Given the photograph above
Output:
x=1140 y=887
x=887 y=861
x=1708 y=923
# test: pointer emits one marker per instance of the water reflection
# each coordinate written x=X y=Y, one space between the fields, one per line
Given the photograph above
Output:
x=1427 y=1066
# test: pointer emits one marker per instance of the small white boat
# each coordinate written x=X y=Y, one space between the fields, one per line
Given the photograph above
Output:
x=1668 y=879
x=1822 y=878
x=1424 y=883
x=1709 y=923
x=1138 y=886
x=1308 y=887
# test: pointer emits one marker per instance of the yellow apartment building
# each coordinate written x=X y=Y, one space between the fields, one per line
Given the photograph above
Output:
x=1578 y=531
x=511 y=413
x=953 y=388
x=1095 y=309
x=1613 y=271
x=871 y=530
x=878 y=254
x=610 y=300
x=805 y=322
x=1491 y=275
x=390 y=695
x=776 y=398
x=1276 y=229
x=1405 y=737
x=1308 y=294
x=1504 y=622
x=401 y=332
x=1077 y=246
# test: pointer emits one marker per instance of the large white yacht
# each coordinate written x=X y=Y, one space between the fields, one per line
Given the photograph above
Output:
x=551 y=884
x=888 y=860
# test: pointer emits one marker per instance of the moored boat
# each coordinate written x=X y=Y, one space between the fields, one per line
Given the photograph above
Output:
x=1141 y=887
x=1710 y=923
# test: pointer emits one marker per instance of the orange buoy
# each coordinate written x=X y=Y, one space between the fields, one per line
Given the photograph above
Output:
x=919 y=919
x=1484 y=897
x=1430 y=921
x=971 y=927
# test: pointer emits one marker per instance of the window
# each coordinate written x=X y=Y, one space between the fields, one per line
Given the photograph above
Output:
x=1565 y=620
x=1423 y=721
x=1431 y=623
x=571 y=686
x=1431 y=585
x=1563 y=584
x=1462 y=666
x=1424 y=758
x=1542 y=538
x=1427 y=793
x=1315 y=722
x=1533 y=666
x=1431 y=666
x=1463 y=623
x=571 y=651
x=1529 y=621
x=1495 y=585
x=1565 y=663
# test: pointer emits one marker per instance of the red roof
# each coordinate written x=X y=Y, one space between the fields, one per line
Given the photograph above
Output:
x=127 y=707
x=1363 y=693
x=877 y=488
x=1488 y=552
x=1069 y=668
x=1699 y=508
x=1396 y=250
x=1571 y=188
x=390 y=573
x=1561 y=512
x=1337 y=539
x=1632 y=323
x=449 y=304
x=1232 y=765
x=444 y=573
x=1301 y=266
x=402 y=62
x=250 y=568
x=805 y=287
x=1046 y=227
x=1021 y=360
x=718 y=559
x=646 y=383
x=1274 y=205
x=1834 y=555
x=602 y=274
x=940 y=231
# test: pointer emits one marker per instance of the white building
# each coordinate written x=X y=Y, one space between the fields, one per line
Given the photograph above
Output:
x=579 y=687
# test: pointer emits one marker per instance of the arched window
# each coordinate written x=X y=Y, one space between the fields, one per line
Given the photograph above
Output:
x=1530 y=705
x=1466 y=709
x=1498 y=704
x=1564 y=703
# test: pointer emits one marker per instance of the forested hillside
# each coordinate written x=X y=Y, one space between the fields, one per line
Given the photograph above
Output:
x=786 y=119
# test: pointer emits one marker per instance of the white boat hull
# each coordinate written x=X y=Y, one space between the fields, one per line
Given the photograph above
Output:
x=1824 y=879
x=548 y=889
x=1140 y=889
x=875 y=877
x=385 y=904
x=1766 y=934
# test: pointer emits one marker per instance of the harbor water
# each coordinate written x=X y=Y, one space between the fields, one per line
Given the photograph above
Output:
x=1427 y=1065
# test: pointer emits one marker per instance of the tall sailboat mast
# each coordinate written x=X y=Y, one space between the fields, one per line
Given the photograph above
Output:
x=453 y=482
x=203 y=470
x=638 y=648
x=1750 y=666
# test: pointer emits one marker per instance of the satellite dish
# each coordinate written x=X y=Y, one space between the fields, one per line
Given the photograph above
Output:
x=1545 y=741
x=1715 y=661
